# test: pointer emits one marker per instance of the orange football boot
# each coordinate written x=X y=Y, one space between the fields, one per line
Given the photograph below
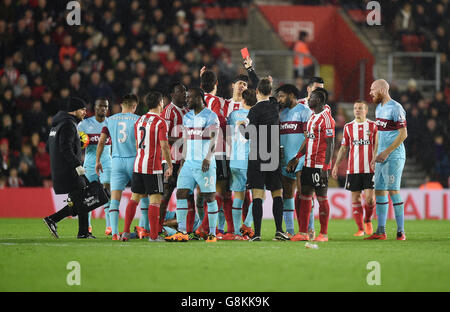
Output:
x=116 y=237
x=211 y=239
x=177 y=237
x=321 y=238
x=377 y=236
x=359 y=233
x=108 y=231
x=368 y=228
x=300 y=237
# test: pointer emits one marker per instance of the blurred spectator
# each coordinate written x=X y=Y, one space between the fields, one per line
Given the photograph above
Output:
x=14 y=180
x=301 y=46
x=42 y=161
x=403 y=22
x=29 y=175
x=35 y=120
x=10 y=72
x=431 y=184
x=413 y=94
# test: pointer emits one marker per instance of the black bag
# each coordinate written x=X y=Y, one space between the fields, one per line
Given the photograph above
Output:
x=93 y=195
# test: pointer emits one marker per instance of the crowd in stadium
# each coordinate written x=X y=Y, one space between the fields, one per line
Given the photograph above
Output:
x=134 y=46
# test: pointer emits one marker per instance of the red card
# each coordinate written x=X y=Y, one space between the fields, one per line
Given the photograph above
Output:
x=244 y=53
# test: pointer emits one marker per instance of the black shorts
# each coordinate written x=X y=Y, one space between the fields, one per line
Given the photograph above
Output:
x=147 y=183
x=172 y=180
x=257 y=179
x=222 y=169
x=359 y=181
x=311 y=177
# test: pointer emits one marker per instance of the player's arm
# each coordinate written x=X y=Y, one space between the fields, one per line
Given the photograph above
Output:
x=292 y=164
x=165 y=148
x=375 y=150
x=402 y=135
x=343 y=152
x=211 y=148
x=100 y=148
x=251 y=71
x=328 y=155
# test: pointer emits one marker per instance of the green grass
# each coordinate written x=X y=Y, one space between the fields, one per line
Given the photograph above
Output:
x=32 y=260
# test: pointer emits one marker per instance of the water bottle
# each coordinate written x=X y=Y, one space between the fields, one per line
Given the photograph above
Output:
x=311 y=246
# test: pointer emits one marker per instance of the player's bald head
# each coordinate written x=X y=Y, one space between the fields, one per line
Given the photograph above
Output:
x=381 y=84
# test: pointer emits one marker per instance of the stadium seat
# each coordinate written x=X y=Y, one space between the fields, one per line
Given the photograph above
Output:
x=358 y=16
x=233 y=13
x=412 y=43
x=213 y=13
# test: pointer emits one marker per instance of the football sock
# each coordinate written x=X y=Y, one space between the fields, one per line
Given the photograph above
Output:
x=382 y=211
x=227 y=211
x=114 y=216
x=237 y=214
x=358 y=215
x=162 y=213
x=257 y=215
x=249 y=219
x=205 y=222
x=297 y=204
x=200 y=206
x=197 y=222
x=106 y=209
x=143 y=222
x=213 y=210
x=369 y=211
x=170 y=231
x=182 y=210
x=89 y=218
x=277 y=211
x=324 y=213
x=311 y=218
x=305 y=211
x=246 y=205
x=153 y=218
x=221 y=221
x=288 y=214
x=190 y=215
x=129 y=214
x=397 y=202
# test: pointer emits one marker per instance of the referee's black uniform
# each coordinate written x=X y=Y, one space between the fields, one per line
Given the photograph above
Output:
x=264 y=169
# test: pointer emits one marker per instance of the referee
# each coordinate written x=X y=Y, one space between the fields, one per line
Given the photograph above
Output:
x=64 y=147
x=264 y=171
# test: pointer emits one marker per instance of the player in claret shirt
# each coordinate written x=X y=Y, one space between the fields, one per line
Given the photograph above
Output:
x=318 y=149
x=390 y=158
x=93 y=126
x=359 y=138
x=293 y=120
x=199 y=167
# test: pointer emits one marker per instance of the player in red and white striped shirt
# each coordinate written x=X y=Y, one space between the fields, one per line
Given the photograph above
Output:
x=318 y=149
x=359 y=138
x=151 y=144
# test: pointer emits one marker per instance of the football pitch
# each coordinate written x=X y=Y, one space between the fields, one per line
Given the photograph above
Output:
x=32 y=260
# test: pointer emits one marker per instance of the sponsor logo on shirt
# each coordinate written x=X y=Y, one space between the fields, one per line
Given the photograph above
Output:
x=361 y=142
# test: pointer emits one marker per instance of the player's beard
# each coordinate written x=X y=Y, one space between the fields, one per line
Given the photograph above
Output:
x=378 y=98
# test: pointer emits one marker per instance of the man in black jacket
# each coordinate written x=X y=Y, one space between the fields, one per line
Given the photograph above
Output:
x=264 y=171
x=64 y=147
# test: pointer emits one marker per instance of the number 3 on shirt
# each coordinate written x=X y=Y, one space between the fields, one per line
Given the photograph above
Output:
x=209 y=181
x=122 y=131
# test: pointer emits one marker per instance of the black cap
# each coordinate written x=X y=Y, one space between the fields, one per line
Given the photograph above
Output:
x=75 y=103
x=241 y=78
